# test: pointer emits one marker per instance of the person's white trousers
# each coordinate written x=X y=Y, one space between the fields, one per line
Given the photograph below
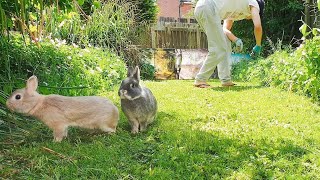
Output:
x=219 y=46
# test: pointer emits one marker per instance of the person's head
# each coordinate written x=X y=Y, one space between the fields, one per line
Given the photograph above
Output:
x=261 y=7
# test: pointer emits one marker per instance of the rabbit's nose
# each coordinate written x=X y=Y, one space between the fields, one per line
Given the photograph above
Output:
x=9 y=106
x=122 y=92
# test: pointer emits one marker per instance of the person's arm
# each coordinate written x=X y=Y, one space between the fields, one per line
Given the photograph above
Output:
x=227 y=25
x=257 y=25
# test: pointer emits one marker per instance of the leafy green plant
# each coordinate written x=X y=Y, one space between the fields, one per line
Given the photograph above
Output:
x=59 y=65
x=147 y=70
x=296 y=71
x=64 y=26
x=28 y=17
x=311 y=56
x=136 y=56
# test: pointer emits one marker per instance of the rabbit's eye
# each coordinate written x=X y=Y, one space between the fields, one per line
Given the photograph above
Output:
x=132 y=85
x=18 y=97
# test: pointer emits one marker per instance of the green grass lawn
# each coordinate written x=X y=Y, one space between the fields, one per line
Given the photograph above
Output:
x=243 y=132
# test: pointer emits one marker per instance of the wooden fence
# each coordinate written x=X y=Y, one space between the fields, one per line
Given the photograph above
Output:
x=178 y=35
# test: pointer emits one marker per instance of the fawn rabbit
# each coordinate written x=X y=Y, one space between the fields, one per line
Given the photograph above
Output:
x=60 y=112
x=138 y=103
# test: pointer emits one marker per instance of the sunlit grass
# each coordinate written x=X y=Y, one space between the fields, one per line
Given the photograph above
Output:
x=244 y=132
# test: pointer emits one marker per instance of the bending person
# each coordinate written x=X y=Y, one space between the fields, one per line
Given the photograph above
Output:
x=209 y=14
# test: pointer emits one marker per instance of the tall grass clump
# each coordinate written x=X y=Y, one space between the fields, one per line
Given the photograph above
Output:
x=112 y=25
x=66 y=26
x=115 y=25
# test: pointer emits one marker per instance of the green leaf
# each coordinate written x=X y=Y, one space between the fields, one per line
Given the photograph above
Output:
x=318 y=1
x=10 y=23
x=303 y=29
x=315 y=31
x=81 y=2
x=97 y=4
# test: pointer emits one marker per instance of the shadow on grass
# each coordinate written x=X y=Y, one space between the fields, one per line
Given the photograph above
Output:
x=212 y=156
x=41 y=133
x=78 y=135
x=184 y=151
x=236 y=88
x=172 y=149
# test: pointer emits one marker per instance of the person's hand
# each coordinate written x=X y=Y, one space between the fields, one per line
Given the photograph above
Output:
x=239 y=45
x=255 y=51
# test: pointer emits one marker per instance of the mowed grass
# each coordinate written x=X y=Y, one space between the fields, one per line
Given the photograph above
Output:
x=243 y=132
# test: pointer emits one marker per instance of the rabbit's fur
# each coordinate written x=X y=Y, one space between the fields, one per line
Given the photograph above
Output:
x=60 y=112
x=138 y=103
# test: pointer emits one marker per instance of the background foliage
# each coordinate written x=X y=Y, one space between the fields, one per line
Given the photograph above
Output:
x=146 y=9
x=89 y=70
x=296 y=70
x=112 y=23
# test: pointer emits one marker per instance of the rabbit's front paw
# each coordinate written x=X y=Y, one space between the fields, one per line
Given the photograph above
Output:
x=143 y=126
x=57 y=139
x=59 y=133
x=134 y=130
x=134 y=126
x=108 y=130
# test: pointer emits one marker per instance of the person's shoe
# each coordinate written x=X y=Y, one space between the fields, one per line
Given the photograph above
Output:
x=202 y=85
x=228 y=84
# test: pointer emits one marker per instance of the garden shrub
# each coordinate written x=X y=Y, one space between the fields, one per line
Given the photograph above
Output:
x=147 y=10
x=311 y=56
x=136 y=56
x=296 y=71
x=61 y=69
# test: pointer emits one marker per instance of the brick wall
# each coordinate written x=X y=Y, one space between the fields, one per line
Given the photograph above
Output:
x=185 y=9
x=170 y=8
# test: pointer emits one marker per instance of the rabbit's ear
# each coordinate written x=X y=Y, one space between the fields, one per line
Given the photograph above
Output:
x=136 y=74
x=32 y=84
x=130 y=71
